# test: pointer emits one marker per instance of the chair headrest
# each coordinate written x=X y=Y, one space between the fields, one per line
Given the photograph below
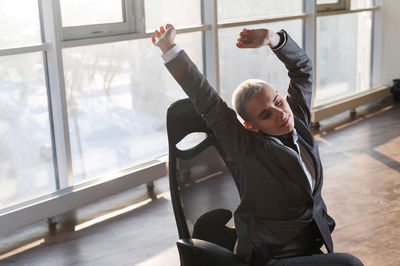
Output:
x=183 y=119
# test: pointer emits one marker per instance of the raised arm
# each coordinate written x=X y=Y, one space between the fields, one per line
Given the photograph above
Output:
x=231 y=134
x=297 y=62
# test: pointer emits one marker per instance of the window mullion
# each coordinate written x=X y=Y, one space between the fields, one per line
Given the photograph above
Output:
x=55 y=75
x=377 y=37
x=310 y=41
x=135 y=15
x=210 y=48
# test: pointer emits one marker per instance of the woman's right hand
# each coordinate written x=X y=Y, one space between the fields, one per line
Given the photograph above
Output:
x=257 y=38
x=164 y=38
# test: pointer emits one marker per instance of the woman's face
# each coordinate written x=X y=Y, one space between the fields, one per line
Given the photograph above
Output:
x=268 y=112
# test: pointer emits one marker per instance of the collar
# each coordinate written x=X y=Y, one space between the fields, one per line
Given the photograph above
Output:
x=293 y=134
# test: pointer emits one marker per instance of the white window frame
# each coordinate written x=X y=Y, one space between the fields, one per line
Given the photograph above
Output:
x=133 y=22
x=340 y=5
x=377 y=91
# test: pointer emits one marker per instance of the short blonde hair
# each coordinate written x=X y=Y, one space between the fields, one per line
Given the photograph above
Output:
x=243 y=94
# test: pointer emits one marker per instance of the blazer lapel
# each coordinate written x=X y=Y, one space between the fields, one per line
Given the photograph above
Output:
x=312 y=150
x=291 y=160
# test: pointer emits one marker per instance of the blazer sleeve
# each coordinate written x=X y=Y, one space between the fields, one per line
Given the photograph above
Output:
x=232 y=135
x=300 y=71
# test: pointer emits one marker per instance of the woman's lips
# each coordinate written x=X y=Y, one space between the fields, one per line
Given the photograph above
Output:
x=286 y=121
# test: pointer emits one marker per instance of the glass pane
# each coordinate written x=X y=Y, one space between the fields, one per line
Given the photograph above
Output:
x=343 y=55
x=361 y=3
x=19 y=23
x=237 y=65
x=26 y=161
x=88 y=12
x=321 y=2
x=242 y=9
x=179 y=13
x=118 y=95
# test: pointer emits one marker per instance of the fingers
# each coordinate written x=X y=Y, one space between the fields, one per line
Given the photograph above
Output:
x=242 y=39
x=156 y=36
x=244 y=32
x=163 y=37
x=159 y=33
x=244 y=36
x=245 y=42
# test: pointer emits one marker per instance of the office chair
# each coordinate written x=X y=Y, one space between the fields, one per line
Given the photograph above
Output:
x=204 y=191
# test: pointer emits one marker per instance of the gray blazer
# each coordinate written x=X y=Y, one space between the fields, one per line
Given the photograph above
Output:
x=276 y=199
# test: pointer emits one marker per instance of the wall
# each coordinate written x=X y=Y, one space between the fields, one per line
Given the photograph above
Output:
x=391 y=41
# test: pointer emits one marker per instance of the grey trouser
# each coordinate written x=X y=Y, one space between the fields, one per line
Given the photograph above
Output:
x=330 y=259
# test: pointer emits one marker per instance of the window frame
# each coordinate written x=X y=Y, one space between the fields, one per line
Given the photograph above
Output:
x=340 y=5
x=133 y=22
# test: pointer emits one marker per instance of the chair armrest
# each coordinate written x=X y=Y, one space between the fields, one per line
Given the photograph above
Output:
x=199 y=252
x=211 y=227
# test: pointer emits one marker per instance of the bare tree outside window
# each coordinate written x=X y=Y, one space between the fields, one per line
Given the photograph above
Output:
x=117 y=101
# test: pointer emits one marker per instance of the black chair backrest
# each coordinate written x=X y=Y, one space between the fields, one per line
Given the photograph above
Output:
x=200 y=181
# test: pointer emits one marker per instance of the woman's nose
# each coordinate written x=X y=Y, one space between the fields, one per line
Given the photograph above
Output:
x=281 y=113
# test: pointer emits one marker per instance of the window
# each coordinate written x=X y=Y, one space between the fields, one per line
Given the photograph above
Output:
x=324 y=2
x=90 y=12
x=354 y=4
x=19 y=26
x=26 y=152
x=335 y=5
x=26 y=155
x=92 y=18
x=332 y=5
x=180 y=13
x=117 y=102
x=249 y=10
x=344 y=48
x=237 y=65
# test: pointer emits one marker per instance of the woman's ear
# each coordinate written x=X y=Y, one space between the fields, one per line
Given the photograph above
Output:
x=250 y=127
